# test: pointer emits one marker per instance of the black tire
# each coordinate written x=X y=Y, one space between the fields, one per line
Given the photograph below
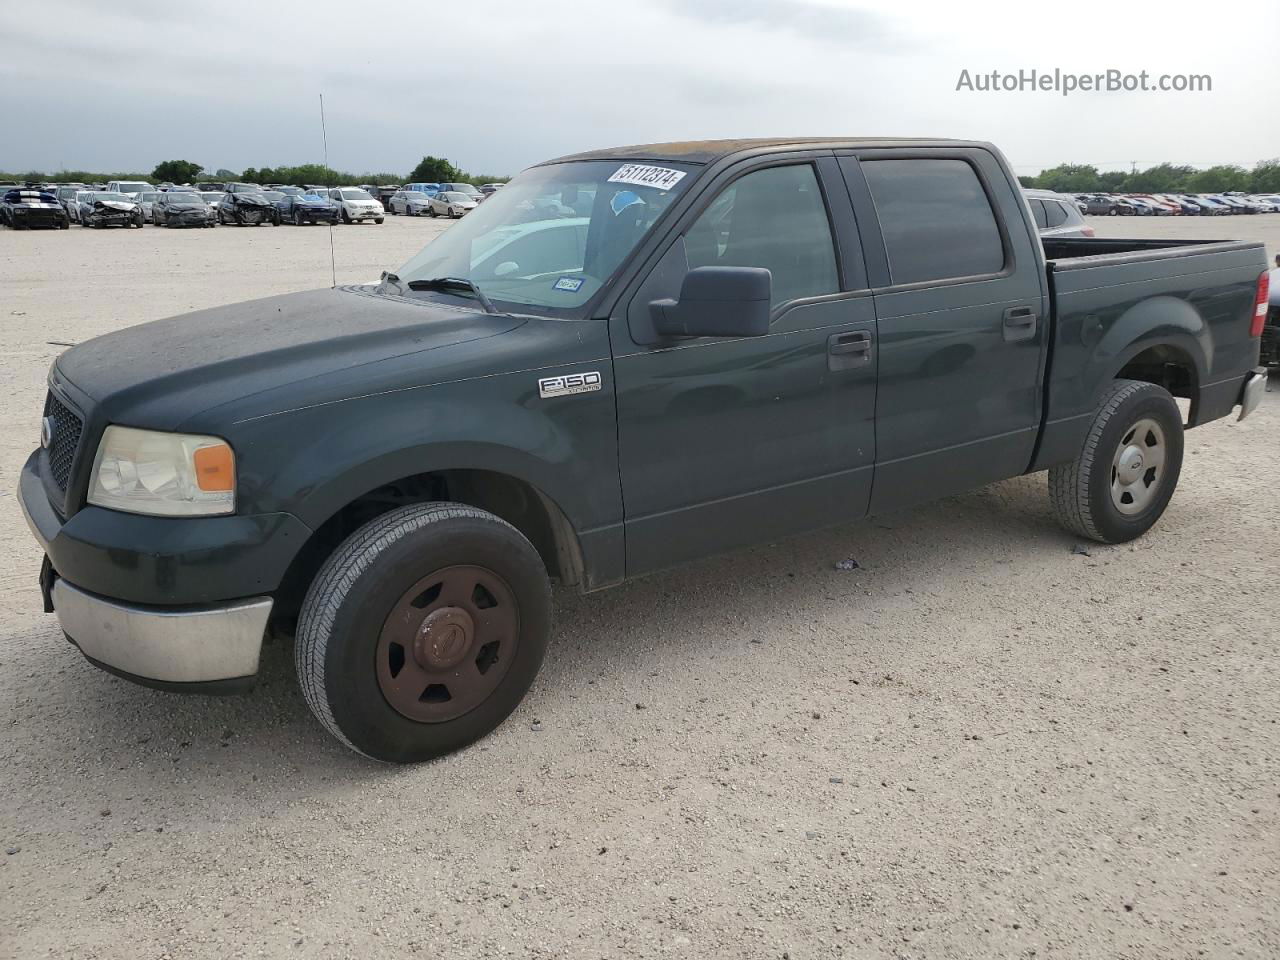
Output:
x=352 y=596
x=1081 y=491
x=346 y=217
x=432 y=212
x=378 y=219
x=297 y=219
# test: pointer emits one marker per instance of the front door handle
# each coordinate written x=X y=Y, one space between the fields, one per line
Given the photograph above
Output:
x=845 y=350
x=1019 y=323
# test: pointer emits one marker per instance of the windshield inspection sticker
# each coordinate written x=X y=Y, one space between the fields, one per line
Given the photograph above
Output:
x=569 y=384
x=644 y=175
x=569 y=284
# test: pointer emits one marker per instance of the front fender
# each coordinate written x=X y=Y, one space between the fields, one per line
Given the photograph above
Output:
x=313 y=461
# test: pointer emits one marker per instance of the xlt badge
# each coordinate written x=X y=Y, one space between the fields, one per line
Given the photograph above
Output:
x=569 y=384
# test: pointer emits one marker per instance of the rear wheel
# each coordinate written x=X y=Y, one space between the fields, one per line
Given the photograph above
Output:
x=423 y=631
x=1124 y=476
x=297 y=219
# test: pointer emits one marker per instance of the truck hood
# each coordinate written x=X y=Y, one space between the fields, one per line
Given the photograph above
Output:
x=159 y=374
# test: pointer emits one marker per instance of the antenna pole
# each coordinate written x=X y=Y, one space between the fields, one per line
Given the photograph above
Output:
x=324 y=137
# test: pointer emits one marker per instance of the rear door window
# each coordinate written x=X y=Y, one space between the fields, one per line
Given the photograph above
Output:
x=936 y=219
x=1056 y=213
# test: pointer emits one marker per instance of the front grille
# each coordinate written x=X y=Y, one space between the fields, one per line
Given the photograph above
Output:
x=66 y=438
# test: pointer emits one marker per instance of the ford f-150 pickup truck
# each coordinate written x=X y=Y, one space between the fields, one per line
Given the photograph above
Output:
x=623 y=360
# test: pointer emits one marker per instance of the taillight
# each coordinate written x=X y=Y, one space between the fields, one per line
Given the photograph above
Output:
x=1086 y=232
x=1260 y=305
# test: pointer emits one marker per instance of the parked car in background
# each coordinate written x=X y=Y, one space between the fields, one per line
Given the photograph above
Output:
x=409 y=202
x=22 y=209
x=275 y=198
x=1213 y=206
x=212 y=198
x=430 y=189
x=146 y=201
x=245 y=209
x=1100 y=204
x=356 y=204
x=383 y=193
x=73 y=207
x=1056 y=215
x=130 y=188
x=181 y=208
x=66 y=194
x=489 y=189
x=466 y=188
x=303 y=208
x=106 y=208
x=451 y=203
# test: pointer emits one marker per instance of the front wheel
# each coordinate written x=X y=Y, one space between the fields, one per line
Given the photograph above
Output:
x=1124 y=476
x=346 y=217
x=423 y=631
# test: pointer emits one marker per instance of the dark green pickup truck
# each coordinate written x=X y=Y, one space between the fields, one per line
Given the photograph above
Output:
x=622 y=360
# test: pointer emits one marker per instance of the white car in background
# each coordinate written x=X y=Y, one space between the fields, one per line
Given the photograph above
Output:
x=355 y=204
x=450 y=203
x=409 y=202
x=130 y=188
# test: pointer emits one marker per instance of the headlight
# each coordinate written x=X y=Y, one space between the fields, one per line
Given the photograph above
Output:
x=163 y=474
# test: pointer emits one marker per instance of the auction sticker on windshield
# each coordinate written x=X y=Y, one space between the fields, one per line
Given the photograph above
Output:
x=644 y=175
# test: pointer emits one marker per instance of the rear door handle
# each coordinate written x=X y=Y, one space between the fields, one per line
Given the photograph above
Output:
x=1019 y=323
x=845 y=350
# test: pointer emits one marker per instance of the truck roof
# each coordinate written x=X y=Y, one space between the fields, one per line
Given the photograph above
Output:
x=708 y=151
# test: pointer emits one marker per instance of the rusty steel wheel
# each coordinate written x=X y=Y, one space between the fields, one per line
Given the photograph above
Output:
x=448 y=643
x=423 y=630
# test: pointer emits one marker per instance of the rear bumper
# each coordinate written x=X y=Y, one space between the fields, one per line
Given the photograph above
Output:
x=1255 y=385
x=205 y=646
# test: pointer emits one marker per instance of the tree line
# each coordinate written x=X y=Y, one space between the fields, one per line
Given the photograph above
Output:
x=1162 y=178
x=430 y=170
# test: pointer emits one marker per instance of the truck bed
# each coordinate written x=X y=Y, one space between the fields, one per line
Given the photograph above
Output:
x=1110 y=297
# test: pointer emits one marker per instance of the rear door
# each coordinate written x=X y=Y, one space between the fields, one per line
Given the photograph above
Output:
x=960 y=315
x=727 y=441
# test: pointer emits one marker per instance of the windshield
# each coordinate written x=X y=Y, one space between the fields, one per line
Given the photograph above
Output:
x=273 y=195
x=555 y=235
x=414 y=195
x=355 y=195
x=112 y=196
x=210 y=197
x=176 y=198
x=134 y=187
x=149 y=197
x=291 y=191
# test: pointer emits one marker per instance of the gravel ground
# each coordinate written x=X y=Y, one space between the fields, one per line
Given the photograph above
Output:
x=979 y=743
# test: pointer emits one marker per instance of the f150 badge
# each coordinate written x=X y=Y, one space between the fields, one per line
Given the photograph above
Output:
x=569 y=384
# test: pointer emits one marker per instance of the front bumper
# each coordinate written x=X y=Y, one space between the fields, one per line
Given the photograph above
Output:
x=213 y=644
x=1255 y=385
x=161 y=600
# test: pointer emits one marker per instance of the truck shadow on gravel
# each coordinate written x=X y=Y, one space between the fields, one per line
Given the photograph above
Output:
x=268 y=737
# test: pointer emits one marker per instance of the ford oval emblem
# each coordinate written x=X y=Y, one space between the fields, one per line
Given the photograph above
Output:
x=47 y=427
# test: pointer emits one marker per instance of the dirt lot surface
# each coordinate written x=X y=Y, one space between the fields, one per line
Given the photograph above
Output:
x=980 y=743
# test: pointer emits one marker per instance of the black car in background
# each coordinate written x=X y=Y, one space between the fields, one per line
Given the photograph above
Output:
x=303 y=208
x=181 y=208
x=108 y=209
x=22 y=209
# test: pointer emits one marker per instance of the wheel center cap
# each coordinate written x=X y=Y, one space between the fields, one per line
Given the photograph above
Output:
x=1131 y=464
x=444 y=639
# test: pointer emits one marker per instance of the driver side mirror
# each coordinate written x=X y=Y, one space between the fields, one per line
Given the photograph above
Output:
x=717 y=302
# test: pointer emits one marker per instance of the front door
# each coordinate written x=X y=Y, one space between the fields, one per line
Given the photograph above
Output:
x=723 y=442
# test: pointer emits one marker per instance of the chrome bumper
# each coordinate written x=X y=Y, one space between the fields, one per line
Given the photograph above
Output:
x=181 y=645
x=1255 y=385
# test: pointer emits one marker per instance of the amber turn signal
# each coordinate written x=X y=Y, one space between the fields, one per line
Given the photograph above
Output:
x=215 y=468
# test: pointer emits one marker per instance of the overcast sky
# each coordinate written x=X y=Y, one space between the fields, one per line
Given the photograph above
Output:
x=123 y=85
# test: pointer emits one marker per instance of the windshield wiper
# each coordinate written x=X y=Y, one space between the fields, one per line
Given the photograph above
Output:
x=444 y=283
